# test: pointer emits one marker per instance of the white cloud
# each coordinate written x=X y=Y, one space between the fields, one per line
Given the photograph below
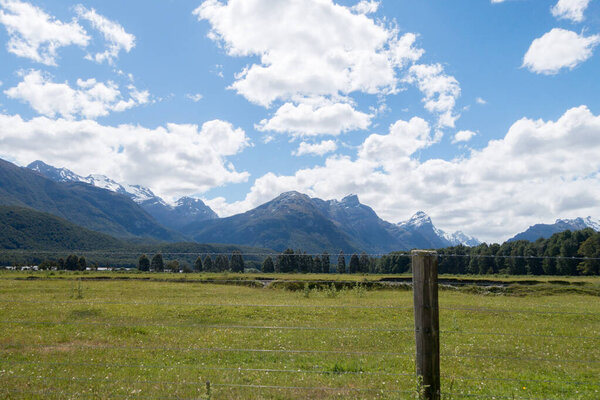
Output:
x=365 y=7
x=90 y=99
x=539 y=171
x=440 y=90
x=481 y=101
x=194 y=97
x=404 y=138
x=112 y=32
x=36 y=35
x=570 y=9
x=497 y=1
x=319 y=149
x=316 y=117
x=174 y=160
x=327 y=50
x=463 y=136
x=559 y=49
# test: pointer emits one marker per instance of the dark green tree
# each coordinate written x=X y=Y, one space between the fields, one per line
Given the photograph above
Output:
x=354 y=265
x=208 y=264
x=317 y=266
x=157 y=264
x=341 y=263
x=81 y=264
x=304 y=262
x=286 y=262
x=267 y=265
x=237 y=262
x=72 y=263
x=221 y=263
x=364 y=262
x=173 y=266
x=198 y=264
x=325 y=262
x=61 y=263
x=144 y=263
x=590 y=248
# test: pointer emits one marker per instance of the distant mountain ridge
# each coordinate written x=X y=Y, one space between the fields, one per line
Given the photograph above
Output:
x=354 y=225
x=290 y=220
x=294 y=220
x=185 y=210
x=537 y=231
x=27 y=229
x=80 y=203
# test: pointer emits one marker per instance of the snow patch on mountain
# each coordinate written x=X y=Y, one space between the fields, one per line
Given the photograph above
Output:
x=581 y=223
x=421 y=221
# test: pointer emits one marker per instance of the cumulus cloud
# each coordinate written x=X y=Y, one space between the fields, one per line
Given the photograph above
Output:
x=540 y=170
x=558 y=49
x=439 y=89
x=174 y=160
x=463 y=136
x=316 y=117
x=570 y=9
x=319 y=149
x=365 y=7
x=89 y=99
x=36 y=35
x=114 y=34
x=329 y=52
x=481 y=101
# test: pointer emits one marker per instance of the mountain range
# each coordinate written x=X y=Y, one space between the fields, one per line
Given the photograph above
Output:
x=80 y=203
x=184 y=211
x=295 y=220
x=537 y=231
x=291 y=220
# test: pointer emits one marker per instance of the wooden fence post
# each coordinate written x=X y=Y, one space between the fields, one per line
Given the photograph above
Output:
x=425 y=290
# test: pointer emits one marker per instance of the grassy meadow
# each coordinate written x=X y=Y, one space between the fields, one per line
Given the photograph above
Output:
x=149 y=336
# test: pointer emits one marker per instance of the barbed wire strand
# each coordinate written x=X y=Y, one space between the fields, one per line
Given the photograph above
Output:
x=85 y=394
x=237 y=385
x=325 y=306
x=204 y=326
x=227 y=349
x=468 y=378
x=263 y=370
x=273 y=327
x=310 y=351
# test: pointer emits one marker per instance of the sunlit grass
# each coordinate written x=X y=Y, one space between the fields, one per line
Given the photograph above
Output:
x=157 y=338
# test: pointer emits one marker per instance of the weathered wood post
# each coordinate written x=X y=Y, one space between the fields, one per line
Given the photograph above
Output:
x=425 y=290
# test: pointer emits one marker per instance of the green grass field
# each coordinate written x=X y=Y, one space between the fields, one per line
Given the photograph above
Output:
x=145 y=336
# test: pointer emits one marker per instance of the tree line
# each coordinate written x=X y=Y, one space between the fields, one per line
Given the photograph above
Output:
x=561 y=254
x=220 y=263
x=558 y=255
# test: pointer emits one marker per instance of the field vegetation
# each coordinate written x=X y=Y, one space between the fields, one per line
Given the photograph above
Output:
x=163 y=335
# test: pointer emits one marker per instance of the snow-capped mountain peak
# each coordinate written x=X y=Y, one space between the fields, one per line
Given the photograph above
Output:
x=417 y=220
x=56 y=174
x=140 y=194
x=422 y=222
x=580 y=223
x=137 y=193
x=459 y=237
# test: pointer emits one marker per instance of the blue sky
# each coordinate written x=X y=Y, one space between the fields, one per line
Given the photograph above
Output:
x=482 y=114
